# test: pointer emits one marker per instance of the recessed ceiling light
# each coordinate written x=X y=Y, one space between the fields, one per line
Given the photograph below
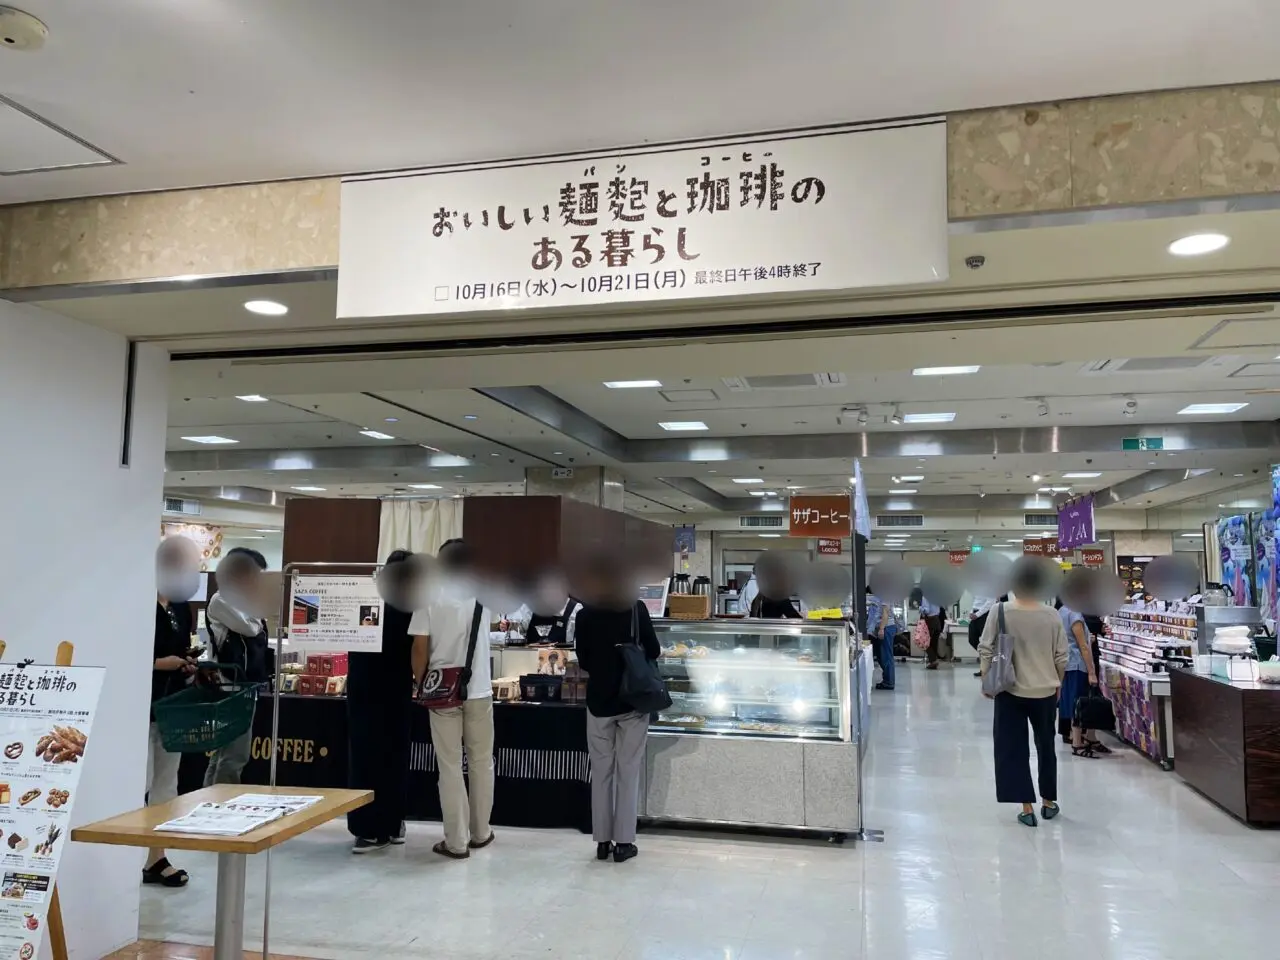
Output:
x=1080 y=476
x=266 y=308
x=928 y=418
x=1036 y=478
x=747 y=480
x=252 y=398
x=377 y=435
x=678 y=426
x=457 y=476
x=853 y=481
x=309 y=489
x=771 y=536
x=631 y=384
x=896 y=417
x=1205 y=409
x=390 y=419
x=495 y=454
x=943 y=371
x=1198 y=244
x=795 y=488
x=557 y=453
x=1237 y=475
x=770 y=493
x=425 y=486
x=1201 y=535
x=211 y=439
x=904 y=491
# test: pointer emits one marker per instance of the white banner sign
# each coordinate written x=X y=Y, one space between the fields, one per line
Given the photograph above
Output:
x=338 y=612
x=46 y=717
x=828 y=209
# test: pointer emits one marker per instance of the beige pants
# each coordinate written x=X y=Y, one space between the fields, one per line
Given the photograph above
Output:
x=466 y=817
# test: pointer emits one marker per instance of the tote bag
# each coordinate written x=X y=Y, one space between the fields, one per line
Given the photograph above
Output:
x=920 y=634
x=642 y=685
x=1001 y=675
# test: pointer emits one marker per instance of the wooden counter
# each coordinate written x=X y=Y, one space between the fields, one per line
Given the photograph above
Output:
x=1227 y=741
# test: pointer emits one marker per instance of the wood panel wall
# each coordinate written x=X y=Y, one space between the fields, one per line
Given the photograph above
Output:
x=331 y=531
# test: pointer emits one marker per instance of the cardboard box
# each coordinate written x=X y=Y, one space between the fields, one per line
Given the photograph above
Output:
x=686 y=606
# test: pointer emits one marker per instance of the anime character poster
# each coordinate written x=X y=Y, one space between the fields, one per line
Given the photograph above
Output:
x=1264 y=560
x=1237 y=557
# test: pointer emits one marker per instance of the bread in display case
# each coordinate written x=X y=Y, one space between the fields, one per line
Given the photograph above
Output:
x=763 y=728
x=756 y=678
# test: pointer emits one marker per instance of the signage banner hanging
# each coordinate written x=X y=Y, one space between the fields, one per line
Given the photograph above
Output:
x=1092 y=557
x=833 y=208
x=814 y=516
x=1075 y=523
x=46 y=722
x=830 y=547
x=342 y=613
x=861 y=512
x=1040 y=547
x=685 y=540
x=957 y=557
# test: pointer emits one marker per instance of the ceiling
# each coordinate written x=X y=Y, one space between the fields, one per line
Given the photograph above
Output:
x=219 y=91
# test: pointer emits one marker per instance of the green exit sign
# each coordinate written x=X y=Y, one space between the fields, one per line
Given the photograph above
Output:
x=1142 y=443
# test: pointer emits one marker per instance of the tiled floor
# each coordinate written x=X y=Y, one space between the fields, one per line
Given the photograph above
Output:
x=1138 y=867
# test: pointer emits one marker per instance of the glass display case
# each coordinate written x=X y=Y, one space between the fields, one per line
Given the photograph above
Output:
x=787 y=679
x=765 y=726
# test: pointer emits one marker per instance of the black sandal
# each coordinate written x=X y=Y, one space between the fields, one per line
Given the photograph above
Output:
x=155 y=874
x=1084 y=750
x=1099 y=747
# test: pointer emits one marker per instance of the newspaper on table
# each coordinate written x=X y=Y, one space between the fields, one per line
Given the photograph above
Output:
x=237 y=816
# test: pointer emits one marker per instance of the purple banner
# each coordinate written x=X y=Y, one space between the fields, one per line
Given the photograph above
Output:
x=1075 y=523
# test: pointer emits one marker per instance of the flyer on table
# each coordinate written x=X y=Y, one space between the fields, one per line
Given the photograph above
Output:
x=46 y=718
x=336 y=612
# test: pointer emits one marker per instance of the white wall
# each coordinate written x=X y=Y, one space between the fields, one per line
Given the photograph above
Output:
x=66 y=501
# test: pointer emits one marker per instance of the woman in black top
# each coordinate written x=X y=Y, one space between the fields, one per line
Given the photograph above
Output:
x=773 y=602
x=616 y=732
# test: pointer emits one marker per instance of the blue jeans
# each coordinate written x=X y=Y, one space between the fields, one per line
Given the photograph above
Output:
x=887 y=664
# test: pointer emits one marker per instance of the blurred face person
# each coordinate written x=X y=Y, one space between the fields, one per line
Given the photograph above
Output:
x=177 y=569
x=240 y=581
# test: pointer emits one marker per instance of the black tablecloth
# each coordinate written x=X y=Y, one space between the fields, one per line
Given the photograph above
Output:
x=540 y=758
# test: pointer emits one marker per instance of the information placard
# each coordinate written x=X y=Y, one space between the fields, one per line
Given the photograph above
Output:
x=46 y=719
x=337 y=612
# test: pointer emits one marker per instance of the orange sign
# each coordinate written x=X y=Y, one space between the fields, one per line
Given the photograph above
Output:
x=820 y=516
x=957 y=557
x=1093 y=558
x=1040 y=547
x=829 y=547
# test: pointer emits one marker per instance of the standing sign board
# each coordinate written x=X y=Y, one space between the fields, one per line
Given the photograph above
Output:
x=1075 y=523
x=834 y=208
x=46 y=719
x=815 y=516
x=337 y=612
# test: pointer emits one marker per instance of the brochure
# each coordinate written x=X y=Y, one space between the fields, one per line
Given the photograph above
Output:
x=238 y=816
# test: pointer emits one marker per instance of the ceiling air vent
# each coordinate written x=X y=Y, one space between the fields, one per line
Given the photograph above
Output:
x=1039 y=519
x=900 y=520
x=756 y=522
x=785 y=381
x=189 y=508
x=1150 y=365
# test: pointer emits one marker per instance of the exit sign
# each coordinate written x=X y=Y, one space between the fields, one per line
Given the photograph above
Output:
x=1142 y=443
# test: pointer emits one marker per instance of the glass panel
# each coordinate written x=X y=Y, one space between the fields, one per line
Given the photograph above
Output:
x=780 y=683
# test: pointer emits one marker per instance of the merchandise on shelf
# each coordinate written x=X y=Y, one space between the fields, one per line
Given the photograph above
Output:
x=1144 y=639
x=1133 y=571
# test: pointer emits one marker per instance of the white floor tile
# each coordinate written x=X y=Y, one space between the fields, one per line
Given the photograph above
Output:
x=1138 y=866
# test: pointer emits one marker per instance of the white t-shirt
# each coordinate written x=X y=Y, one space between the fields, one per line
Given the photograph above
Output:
x=447 y=621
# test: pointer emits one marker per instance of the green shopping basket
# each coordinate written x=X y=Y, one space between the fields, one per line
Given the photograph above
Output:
x=206 y=717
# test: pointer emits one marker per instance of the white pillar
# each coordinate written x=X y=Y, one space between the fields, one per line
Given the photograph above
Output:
x=78 y=533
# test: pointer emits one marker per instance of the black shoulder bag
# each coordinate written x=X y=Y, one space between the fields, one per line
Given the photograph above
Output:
x=642 y=685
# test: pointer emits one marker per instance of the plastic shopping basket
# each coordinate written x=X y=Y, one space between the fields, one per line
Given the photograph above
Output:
x=206 y=716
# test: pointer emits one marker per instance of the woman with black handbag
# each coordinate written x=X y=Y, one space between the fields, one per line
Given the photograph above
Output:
x=1080 y=679
x=610 y=620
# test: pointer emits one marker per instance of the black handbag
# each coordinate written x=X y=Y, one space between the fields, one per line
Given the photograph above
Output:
x=642 y=685
x=1093 y=711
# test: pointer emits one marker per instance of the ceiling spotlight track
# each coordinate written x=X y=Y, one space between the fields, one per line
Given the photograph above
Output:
x=896 y=417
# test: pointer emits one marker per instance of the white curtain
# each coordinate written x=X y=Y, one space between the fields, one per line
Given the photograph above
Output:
x=418 y=525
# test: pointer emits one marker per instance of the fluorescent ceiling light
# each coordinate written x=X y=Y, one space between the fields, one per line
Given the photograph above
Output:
x=1202 y=409
x=769 y=493
x=943 y=371
x=266 y=308
x=757 y=493
x=390 y=419
x=1045 y=490
x=253 y=398
x=245 y=536
x=801 y=488
x=267 y=530
x=631 y=384
x=1198 y=244
x=679 y=426
x=1059 y=489
x=747 y=480
x=771 y=536
x=1080 y=476
x=210 y=440
x=1201 y=535
x=904 y=491
x=377 y=435
x=469 y=416
x=425 y=486
x=911 y=479
x=309 y=489
x=928 y=418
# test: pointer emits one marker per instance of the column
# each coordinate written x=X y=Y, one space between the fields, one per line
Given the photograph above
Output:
x=598 y=486
x=83 y=485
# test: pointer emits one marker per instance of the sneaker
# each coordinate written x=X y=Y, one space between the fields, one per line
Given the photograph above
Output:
x=364 y=845
x=883 y=686
x=398 y=839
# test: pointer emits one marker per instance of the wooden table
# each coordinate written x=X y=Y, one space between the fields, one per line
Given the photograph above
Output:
x=137 y=829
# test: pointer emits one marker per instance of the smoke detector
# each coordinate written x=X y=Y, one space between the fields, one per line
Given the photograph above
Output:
x=19 y=30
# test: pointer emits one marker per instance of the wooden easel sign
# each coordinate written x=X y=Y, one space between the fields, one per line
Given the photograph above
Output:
x=46 y=726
